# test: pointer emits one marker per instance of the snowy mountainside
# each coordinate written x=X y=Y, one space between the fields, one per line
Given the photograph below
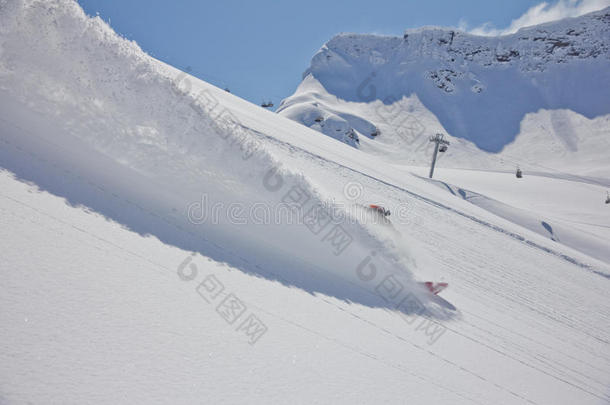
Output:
x=159 y=140
x=133 y=203
x=476 y=89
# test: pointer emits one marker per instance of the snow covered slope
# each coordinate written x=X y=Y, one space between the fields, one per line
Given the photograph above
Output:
x=544 y=87
x=568 y=212
x=165 y=241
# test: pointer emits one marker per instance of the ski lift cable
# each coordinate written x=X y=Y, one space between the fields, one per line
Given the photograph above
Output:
x=505 y=158
x=569 y=175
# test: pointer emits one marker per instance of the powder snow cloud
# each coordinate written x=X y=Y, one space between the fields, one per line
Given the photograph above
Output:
x=543 y=13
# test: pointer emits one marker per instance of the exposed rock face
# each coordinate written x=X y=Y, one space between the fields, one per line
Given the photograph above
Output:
x=480 y=88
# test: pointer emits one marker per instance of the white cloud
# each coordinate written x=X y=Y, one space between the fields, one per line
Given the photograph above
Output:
x=542 y=13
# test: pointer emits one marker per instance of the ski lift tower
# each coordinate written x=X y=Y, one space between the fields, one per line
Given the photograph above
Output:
x=439 y=141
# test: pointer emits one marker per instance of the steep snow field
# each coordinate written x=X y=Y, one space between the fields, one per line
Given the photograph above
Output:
x=142 y=261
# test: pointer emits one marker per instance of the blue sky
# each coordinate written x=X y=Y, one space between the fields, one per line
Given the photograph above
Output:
x=259 y=49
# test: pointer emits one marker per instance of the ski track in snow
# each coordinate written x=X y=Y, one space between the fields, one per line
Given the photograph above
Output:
x=448 y=208
x=344 y=344
x=364 y=353
x=414 y=195
x=87 y=321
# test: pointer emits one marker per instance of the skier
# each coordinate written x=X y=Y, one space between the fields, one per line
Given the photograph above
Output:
x=378 y=208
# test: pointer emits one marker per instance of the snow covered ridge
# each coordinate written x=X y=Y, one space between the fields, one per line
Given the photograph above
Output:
x=476 y=88
x=530 y=48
